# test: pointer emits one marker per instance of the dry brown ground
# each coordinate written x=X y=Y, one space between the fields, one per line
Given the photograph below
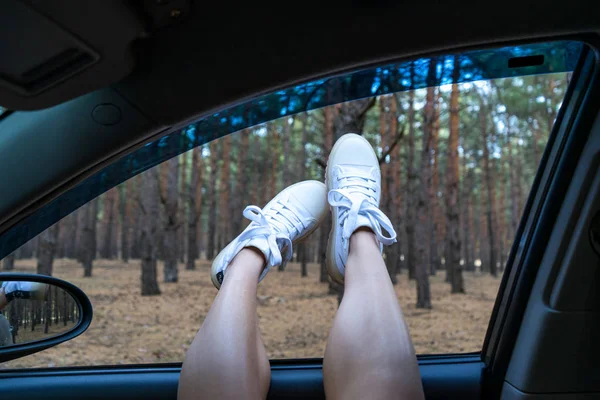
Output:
x=25 y=335
x=295 y=315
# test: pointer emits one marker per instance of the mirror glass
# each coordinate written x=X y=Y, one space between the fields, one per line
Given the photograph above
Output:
x=34 y=311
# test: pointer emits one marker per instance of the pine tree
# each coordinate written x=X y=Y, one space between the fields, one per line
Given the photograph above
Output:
x=148 y=199
x=453 y=243
x=170 y=199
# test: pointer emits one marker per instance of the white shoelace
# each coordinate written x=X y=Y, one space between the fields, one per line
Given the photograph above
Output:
x=356 y=196
x=278 y=225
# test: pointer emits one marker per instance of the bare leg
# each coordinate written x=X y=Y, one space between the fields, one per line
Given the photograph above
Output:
x=369 y=354
x=227 y=359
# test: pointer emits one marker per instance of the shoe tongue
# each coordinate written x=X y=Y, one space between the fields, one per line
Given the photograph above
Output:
x=363 y=171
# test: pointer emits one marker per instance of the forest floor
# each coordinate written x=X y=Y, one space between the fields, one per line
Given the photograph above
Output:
x=26 y=335
x=295 y=315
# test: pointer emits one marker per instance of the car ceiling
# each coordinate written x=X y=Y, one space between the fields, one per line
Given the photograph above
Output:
x=176 y=60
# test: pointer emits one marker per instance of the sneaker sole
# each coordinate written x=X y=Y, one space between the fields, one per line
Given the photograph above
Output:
x=330 y=263
x=299 y=239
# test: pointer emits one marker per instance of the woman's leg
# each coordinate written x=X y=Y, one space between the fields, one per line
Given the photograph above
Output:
x=227 y=359
x=369 y=354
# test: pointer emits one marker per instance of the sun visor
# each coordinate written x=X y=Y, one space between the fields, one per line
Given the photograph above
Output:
x=54 y=51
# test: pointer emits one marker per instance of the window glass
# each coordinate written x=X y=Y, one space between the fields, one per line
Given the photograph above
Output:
x=457 y=160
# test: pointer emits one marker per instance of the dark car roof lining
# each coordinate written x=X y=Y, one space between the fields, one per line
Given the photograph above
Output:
x=254 y=50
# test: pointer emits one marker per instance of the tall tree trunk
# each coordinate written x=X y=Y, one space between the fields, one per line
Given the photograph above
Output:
x=88 y=237
x=148 y=199
x=422 y=228
x=47 y=249
x=257 y=183
x=489 y=183
x=467 y=213
x=386 y=181
x=125 y=199
x=71 y=240
x=272 y=130
x=326 y=224
x=215 y=154
x=109 y=201
x=434 y=188
x=287 y=131
x=453 y=245
x=242 y=181
x=181 y=209
x=301 y=248
x=387 y=184
x=411 y=194
x=501 y=212
x=513 y=181
x=137 y=218
x=8 y=264
x=395 y=188
x=170 y=175
x=194 y=207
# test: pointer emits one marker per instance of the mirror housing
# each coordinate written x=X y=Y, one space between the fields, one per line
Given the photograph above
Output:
x=84 y=308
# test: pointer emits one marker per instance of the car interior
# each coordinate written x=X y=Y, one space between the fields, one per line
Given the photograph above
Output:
x=84 y=84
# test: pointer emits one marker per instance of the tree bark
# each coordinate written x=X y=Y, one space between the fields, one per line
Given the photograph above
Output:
x=491 y=225
x=137 y=219
x=422 y=228
x=466 y=204
x=257 y=183
x=148 y=199
x=71 y=240
x=213 y=194
x=387 y=185
x=395 y=190
x=194 y=207
x=453 y=244
x=242 y=180
x=434 y=188
x=411 y=177
x=88 y=237
x=125 y=199
x=170 y=175
x=47 y=249
x=326 y=224
x=301 y=248
x=109 y=201
x=272 y=130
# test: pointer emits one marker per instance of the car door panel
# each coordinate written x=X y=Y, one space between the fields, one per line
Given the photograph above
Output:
x=446 y=378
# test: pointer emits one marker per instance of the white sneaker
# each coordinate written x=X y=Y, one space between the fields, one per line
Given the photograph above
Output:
x=291 y=216
x=354 y=188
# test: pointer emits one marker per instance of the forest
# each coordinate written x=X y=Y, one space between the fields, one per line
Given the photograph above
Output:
x=457 y=164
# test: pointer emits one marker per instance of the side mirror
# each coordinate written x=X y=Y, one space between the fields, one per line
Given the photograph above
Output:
x=38 y=312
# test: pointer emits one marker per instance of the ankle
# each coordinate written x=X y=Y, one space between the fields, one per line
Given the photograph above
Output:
x=363 y=236
x=248 y=264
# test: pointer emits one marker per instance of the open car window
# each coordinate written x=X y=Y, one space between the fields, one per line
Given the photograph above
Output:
x=459 y=138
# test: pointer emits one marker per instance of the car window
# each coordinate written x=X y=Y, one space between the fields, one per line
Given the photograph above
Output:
x=457 y=159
